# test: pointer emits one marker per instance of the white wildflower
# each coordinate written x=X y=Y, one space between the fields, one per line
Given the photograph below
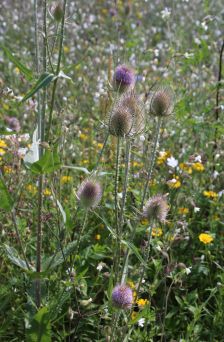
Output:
x=141 y=322
x=166 y=13
x=196 y=209
x=172 y=162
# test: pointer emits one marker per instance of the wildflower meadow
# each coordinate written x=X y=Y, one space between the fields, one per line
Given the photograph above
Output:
x=111 y=171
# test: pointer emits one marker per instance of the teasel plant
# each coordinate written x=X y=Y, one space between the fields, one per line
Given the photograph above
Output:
x=43 y=135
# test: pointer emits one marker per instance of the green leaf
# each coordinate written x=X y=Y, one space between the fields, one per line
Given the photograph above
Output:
x=43 y=82
x=13 y=256
x=57 y=259
x=48 y=163
x=40 y=330
x=6 y=202
x=27 y=72
x=134 y=249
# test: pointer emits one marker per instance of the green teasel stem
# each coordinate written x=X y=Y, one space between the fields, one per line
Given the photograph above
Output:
x=57 y=71
x=146 y=256
x=117 y=223
x=41 y=125
x=125 y=186
x=152 y=160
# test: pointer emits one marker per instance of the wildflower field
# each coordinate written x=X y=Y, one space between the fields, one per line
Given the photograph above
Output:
x=111 y=171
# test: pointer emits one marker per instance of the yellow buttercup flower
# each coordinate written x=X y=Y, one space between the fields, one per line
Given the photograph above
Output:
x=2 y=151
x=198 y=167
x=174 y=183
x=3 y=144
x=8 y=169
x=142 y=302
x=31 y=188
x=210 y=194
x=47 y=192
x=205 y=238
x=186 y=167
x=83 y=136
x=183 y=211
x=97 y=237
x=163 y=155
x=66 y=179
x=157 y=232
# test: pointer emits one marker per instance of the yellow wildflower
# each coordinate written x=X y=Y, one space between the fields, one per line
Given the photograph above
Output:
x=5 y=106
x=144 y=221
x=3 y=144
x=186 y=167
x=137 y=164
x=66 y=179
x=131 y=284
x=100 y=145
x=17 y=71
x=142 y=302
x=97 y=237
x=157 y=232
x=2 y=151
x=198 y=167
x=31 y=188
x=205 y=238
x=174 y=183
x=47 y=192
x=83 y=136
x=163 y=155
x=210 y=194
x=8 y=169
x=66 y=49
x=183 y=211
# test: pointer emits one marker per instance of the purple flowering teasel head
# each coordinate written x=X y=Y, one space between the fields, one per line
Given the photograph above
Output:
x=89 y=193
x=124 y=78
x=122 y=296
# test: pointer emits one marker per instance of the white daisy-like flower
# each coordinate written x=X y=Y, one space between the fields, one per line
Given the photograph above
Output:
x=141 y=322
x=196 y=209
x=166 y=13
x=172 y=162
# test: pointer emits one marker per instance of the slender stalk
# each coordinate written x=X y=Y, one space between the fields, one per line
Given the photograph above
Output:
x=125 y=186
x=117 y=169
x=146 y=256
x=57 y=71
x=217 y=109
x=41 y=124
x=152 y=160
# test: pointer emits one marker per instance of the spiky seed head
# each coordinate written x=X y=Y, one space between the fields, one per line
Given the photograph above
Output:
x=89 y=193
x=122 y=296
x=120 y=122
x=156 y=209
x=162 y=102
x=57 y=12
x=127 y=115
x=124 y=78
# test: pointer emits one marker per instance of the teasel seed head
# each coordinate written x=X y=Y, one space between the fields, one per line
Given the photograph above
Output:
x=156 y=208
x=122 y=296
x=89 y=194
x=127 y=116
x=162 y=102
x=57 y=12
x=124 y=78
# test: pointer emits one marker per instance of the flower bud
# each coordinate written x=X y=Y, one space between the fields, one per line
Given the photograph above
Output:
x=89 y=194
x=162 y=102
x=57 y=12
x=156 y=209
